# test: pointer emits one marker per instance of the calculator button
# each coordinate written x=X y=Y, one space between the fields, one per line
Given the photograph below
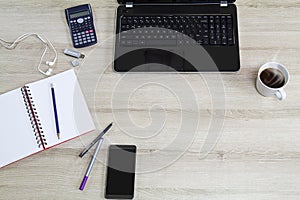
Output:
x=93 y=40
x=89 y=40
x=75 y=40
x=80 y=43
x=86 y=32
x=91 y=31
x=84 y=38
x=79 y=36
x=82 y=32
x=84 y=42
x=79 y=20
x=75 y=37
x=74 y=34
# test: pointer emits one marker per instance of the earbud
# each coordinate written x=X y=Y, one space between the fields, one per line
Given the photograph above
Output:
x=50 y=63
x=48 y=72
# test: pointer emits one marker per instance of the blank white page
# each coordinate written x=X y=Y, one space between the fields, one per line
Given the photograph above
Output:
x=17 y=138
x=73 y=114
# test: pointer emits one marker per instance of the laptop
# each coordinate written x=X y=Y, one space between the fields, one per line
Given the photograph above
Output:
x=176 y=36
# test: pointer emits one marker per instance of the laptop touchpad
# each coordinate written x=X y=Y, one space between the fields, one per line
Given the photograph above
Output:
x=158 y=60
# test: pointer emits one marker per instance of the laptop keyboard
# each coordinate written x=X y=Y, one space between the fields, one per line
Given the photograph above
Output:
x=213 y=30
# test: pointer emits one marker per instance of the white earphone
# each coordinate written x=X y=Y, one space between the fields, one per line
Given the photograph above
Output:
x=46 y=42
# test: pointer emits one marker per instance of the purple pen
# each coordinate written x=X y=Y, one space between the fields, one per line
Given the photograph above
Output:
x=89 y=169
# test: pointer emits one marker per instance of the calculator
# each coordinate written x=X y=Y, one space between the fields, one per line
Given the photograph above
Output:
x=81 y=24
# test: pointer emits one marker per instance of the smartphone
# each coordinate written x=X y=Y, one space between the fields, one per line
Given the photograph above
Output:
x=120 y=172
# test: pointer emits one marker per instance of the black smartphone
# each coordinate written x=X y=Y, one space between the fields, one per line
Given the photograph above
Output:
x=120 y=172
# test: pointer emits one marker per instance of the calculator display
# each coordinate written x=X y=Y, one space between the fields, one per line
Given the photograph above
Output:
x=79 y=14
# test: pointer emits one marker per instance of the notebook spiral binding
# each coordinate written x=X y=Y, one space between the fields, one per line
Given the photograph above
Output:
x=34 y=118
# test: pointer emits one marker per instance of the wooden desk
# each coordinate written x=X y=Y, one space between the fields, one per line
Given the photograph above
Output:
x=256 y=157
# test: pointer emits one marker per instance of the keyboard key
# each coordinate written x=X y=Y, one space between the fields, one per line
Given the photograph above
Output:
x=161 y=42
x=224 y=41
x=142 y=42
x=123 y=42
x=128 y=42
x=135 y=42
x=205 y=41
x=180 y=42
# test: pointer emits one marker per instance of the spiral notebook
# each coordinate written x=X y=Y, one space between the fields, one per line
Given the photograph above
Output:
x=27 y=116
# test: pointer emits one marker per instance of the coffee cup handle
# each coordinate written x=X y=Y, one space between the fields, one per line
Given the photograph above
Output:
x=280 y=94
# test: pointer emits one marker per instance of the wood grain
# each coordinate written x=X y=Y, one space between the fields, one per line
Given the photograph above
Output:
x=257 y=155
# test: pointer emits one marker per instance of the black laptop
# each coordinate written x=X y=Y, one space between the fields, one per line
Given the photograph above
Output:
x=176 y=36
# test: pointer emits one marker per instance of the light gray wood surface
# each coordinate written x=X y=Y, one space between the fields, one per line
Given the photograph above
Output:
x=257 y=153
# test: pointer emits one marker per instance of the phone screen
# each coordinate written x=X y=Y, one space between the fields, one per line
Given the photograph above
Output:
x=120 y=172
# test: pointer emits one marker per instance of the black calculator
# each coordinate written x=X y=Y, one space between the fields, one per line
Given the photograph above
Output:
x=82 y=29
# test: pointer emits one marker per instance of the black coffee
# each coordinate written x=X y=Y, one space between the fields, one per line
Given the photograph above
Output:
x=272 y=78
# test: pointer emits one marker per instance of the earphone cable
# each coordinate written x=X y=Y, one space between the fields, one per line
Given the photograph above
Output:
x=12 y=45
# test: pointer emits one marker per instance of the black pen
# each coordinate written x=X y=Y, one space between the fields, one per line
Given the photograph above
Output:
x=55 y=111
x=95 y=140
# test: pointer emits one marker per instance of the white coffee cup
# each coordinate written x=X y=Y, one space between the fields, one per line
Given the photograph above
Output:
x=267 y=91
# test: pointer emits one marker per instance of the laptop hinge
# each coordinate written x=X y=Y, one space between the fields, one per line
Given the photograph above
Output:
x=224 y=4
x=129 y=4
